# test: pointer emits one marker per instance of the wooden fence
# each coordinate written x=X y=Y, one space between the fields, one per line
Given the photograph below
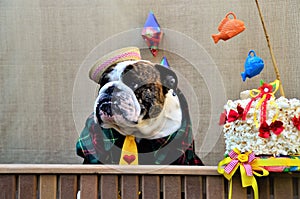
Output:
x=134 y=182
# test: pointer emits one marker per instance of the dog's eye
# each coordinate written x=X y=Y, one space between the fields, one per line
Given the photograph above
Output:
x=128 y=68
x=135 y=86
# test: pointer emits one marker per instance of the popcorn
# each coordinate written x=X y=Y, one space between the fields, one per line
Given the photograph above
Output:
x=243 y=134
x=245 y=94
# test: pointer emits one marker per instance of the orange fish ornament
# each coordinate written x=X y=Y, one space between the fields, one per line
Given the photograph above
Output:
x=229 y=28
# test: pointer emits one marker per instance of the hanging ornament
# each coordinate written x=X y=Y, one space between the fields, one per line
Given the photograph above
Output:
x=229 y=28
x=253 y=65
x=152 y=33
x=165 y=62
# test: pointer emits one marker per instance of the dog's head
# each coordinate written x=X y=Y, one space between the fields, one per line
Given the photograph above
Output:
x=133 y=94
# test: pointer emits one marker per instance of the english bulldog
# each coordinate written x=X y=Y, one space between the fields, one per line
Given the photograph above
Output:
x=138 y=107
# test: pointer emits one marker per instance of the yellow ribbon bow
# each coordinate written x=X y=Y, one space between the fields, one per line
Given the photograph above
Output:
x=248 y=166
x=129 y=155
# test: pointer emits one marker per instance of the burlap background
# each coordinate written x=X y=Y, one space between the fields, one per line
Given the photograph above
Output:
x=43 y=44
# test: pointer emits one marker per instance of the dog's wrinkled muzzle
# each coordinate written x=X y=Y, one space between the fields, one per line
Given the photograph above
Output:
x=117 y=105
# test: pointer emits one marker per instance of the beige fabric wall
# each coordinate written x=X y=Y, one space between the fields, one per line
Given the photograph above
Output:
x=47 y=45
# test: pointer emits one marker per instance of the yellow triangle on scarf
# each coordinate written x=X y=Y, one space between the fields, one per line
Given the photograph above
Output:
x=129 y=155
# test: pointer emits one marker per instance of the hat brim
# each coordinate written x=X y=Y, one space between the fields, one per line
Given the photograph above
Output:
x=114 y=57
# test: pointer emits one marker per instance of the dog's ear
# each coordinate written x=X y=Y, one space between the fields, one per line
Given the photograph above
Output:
x=168 y=77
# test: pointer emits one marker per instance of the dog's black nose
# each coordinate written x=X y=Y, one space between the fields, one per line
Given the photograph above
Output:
x=107 y=102
x=106 y=108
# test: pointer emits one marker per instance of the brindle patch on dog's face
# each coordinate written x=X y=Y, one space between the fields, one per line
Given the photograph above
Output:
x=144 y=79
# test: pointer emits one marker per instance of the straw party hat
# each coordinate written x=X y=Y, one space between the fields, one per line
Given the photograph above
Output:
x=120 y=55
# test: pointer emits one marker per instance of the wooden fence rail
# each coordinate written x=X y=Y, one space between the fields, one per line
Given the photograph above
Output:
x=134 y=182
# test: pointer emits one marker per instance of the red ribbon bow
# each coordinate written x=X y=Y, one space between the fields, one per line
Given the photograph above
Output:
x=276 y=127
x=234 y=115
x=296 y=122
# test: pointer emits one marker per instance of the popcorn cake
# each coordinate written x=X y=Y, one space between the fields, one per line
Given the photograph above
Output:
x=264 y=125
x=245 y=135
